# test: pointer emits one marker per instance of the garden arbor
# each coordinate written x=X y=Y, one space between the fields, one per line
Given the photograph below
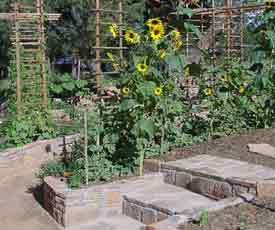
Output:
x=28 y=49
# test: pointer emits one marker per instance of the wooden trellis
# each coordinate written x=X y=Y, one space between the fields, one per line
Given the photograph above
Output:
x=28 y=49
x=228 y=20
x=224 y=18
x=101 y=28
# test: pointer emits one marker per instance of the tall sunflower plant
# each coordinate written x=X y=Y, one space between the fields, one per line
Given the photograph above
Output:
x=148 y=83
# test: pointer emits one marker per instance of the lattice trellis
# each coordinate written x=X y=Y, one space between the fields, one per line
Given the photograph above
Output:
x=28 y=52
x=101 y=29
x=222 y=25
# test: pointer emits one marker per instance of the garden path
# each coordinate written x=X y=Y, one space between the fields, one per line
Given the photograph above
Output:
x=19 y=208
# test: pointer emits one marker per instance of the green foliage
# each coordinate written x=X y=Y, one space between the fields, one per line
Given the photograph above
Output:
x=204 y=218
x=65 y=87
x=51 y=168
x=243 y=223
x=34 y=126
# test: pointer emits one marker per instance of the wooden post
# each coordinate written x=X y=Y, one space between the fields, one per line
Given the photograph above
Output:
x=40 y=11
x=120 y=8
x=98 y=67
x=242 y=22
x=18 y=64
x=213 y=33
x=229 y=14
x=86 y=146
x=78 y=68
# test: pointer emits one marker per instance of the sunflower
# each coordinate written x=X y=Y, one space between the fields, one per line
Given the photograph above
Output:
x=158 y=91
x=241 y=90
x=178 y=44
x=269 y=3
x=157 y=33
x=142 y=68
x=132 y=37
x=162 y=54
x=208 y=92
x=114 y=30
x=125 y=90
x=175 y=34
x=154 y=22
x=224 y=78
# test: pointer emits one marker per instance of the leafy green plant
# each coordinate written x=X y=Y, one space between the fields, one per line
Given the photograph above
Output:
x=35 y=125
x=204 y=218
x=65 y=87
x=243 y=223
x=51 y=168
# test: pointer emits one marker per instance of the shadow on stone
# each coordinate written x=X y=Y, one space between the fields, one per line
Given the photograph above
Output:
x=37 y=192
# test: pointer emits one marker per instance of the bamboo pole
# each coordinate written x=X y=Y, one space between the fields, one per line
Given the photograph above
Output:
x=18 y=65
x=98 y=66
x=120 y=8
x=213 y=33
x=86 y=147
x=228 y=51
x=242 y=22
x=40 y=7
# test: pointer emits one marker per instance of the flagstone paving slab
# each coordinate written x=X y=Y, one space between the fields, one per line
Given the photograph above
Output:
x=118 y=222
x=222 y=168
x=158 y=202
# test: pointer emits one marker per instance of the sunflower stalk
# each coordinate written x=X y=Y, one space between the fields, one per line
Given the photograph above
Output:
x=163 y=128
x=141 y=147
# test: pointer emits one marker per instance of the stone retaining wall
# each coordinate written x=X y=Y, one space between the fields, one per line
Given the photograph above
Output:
x=55 y=146
x=204 y=184
x=70 y=207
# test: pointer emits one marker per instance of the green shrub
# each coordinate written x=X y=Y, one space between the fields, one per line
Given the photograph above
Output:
x=51 y=168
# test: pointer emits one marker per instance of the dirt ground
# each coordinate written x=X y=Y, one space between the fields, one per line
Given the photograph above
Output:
x=234 y=147
x=257 y=216
x=242 y=217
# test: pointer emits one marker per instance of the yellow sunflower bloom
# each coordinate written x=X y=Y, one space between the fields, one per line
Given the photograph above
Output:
x=154 y=22
x=158 y=91
x=269 y=3
x=224 y=78
x=142 y=68
x=162 y=54
x=178 y=44
x=132 y=37
x=175 y=34
x=208 y=92
x=157 y=33
x=241 y=90
x=114 y=30
x=125 y=90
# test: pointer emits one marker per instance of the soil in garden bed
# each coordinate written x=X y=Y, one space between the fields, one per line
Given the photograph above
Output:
x=234 y=147
x=257 y=216
x=241 y=217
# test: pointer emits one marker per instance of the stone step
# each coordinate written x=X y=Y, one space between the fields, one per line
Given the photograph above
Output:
x=214 y=176
x=158 y=202
x=118 y=222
